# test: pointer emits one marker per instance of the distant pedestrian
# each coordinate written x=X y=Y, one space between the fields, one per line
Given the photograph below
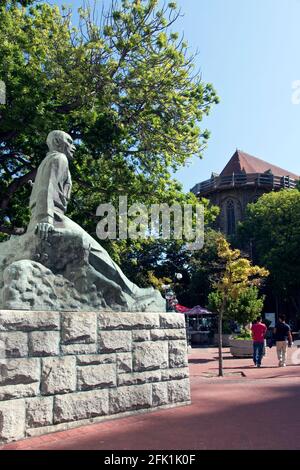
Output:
x=283 y=338
x=259 y=331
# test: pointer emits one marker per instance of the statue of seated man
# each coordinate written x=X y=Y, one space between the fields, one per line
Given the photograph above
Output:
x=67 y=251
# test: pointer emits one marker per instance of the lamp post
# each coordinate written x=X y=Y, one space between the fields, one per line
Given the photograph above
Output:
x=170 y=294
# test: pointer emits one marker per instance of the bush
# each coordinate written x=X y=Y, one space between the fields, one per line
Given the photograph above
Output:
x=244 y=335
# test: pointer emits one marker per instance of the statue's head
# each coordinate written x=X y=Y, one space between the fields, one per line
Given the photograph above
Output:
x=62 y=142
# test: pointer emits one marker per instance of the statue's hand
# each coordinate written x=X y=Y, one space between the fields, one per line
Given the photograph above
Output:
x=43 y=229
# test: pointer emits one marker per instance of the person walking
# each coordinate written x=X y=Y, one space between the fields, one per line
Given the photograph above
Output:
x=259 y=331
x=283 y=338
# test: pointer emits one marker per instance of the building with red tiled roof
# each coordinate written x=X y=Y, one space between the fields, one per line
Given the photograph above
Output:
x=242 y=162
x=243 y=180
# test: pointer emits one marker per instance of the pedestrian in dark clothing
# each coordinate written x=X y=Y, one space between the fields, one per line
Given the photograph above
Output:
x=283 y=338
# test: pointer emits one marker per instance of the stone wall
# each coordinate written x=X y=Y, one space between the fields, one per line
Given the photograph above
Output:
x=241 y=197
x=61 y=370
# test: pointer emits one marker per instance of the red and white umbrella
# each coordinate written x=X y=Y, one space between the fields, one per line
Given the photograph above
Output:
x=181 y=309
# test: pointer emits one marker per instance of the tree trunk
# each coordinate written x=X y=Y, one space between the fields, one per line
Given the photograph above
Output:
x=220 y=343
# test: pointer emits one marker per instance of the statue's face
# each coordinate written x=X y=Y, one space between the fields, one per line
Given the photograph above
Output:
x=68 y=146
x=60 y=141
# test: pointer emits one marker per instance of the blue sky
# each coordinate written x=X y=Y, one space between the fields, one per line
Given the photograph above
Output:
x=250 y=51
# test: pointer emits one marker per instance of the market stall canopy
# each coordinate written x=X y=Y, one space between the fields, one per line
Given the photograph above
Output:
x=198 y=310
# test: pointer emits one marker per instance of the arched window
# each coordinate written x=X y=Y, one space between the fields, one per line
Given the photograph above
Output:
x=230 y=217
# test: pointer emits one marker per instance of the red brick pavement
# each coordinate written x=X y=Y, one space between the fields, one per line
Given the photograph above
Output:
x=247 y=409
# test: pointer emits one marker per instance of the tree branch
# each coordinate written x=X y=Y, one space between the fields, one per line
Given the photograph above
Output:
x=15 y=185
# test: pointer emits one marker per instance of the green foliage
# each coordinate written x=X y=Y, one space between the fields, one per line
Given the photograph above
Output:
x=203 y=268
x=272 y=225
x=236 y=294
x=243 y=309
x=123 y=88
x=158 y=283
x=164 y=258
x=247 y=307
x=245 y=335
x=227 y=327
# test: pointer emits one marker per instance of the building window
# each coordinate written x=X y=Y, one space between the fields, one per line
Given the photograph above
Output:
x=230 y=217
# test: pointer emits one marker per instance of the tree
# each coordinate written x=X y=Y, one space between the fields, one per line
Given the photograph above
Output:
x=243 y=309
x=235 y=278
x=203 y=267
x=163 y=258
x=123 y=87
x=272 y=226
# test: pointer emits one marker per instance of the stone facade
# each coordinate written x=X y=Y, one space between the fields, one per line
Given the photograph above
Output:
x=62 y=370
x=239 y=198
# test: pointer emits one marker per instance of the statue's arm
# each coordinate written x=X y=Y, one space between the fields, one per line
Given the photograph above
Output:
x=50 y=183
x=68 y=187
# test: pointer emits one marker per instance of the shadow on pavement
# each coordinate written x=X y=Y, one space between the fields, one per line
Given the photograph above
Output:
x=200 y=361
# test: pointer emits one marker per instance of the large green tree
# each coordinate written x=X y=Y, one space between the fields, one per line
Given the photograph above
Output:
x=123 y=87
x=272 y=229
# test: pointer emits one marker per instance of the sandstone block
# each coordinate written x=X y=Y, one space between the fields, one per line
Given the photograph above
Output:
x=39 y=412
x=172 y=320
x=150 y=355
x=44 y=343
x=178 y=354
x=28 y=321
x=58 y=375
x=13 y=345
x=134 y=397
x=111 y=341
x=128 y=321
x=141 y=335
x=168 y=334
x=96 y=359
x=136 y=378
x=82 y=405
x=160 y=394
x=79 y=327
x=71 y=349
x=19 y=371
x=96 y=376
x=12 y=420
x=124 y=363
x=8 y=392
x=175 y=374
x=179 y=391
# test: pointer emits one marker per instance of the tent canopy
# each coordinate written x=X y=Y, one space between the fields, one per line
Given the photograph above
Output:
x=197 y=310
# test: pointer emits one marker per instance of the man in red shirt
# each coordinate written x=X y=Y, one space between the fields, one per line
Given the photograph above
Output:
x=259 y=330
